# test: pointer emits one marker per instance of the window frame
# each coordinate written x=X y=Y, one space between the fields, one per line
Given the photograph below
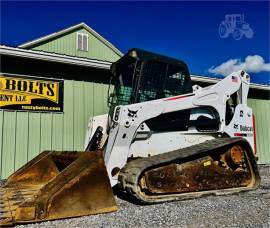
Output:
x=77 y=41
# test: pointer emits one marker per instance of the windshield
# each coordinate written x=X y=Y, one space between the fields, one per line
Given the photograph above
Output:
x=150 y=80
x=238 y=18
x=160 y=80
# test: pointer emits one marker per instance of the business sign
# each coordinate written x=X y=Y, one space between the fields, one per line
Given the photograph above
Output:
x=31 y=94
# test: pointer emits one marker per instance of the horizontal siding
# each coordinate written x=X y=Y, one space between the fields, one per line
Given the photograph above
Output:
x=261 y=110
x=67 y=45
x=23 y=135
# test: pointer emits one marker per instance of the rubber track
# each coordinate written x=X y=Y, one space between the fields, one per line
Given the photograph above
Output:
x=129 y=176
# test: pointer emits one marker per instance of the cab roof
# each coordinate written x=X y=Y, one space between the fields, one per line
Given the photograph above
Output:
x=138 y=54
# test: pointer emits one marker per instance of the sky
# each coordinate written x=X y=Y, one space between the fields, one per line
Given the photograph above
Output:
x=182 y=29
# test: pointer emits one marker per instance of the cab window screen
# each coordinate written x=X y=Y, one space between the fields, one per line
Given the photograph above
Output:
x=152 y=81
x=177 y=81
x=160 y=80
x=123 y=86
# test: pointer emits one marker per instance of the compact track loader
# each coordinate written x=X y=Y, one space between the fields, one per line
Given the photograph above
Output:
x=163 y=140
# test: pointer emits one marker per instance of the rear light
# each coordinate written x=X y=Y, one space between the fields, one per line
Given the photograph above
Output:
x=254 y=133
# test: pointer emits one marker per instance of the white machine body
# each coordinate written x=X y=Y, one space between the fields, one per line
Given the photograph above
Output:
x=130 y=136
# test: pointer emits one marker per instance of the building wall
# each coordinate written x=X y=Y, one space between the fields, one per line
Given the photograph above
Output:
x=25 y=134
x=67 y=45
x=261 y=109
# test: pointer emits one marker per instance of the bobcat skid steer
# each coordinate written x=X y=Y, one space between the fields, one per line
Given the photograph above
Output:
x=163 y=140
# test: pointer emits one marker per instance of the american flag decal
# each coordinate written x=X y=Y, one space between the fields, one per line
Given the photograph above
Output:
x=234 y=79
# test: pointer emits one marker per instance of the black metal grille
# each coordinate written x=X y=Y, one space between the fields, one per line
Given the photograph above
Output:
x=123 y=94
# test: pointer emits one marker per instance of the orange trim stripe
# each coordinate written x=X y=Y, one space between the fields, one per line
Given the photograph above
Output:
x=178 y=97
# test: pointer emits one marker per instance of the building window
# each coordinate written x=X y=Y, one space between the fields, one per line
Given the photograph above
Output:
x=82 y=41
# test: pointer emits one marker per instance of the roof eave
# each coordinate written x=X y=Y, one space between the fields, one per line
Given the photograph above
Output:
x=47 y=37
x=18 y=52
x=45 y=56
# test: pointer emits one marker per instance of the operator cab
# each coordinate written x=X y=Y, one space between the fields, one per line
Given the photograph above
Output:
x=141 y=76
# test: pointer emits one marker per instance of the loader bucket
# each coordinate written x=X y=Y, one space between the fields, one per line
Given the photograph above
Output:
x=57 y=185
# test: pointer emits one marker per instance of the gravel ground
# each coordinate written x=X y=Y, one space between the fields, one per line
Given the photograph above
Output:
x=249 y=209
